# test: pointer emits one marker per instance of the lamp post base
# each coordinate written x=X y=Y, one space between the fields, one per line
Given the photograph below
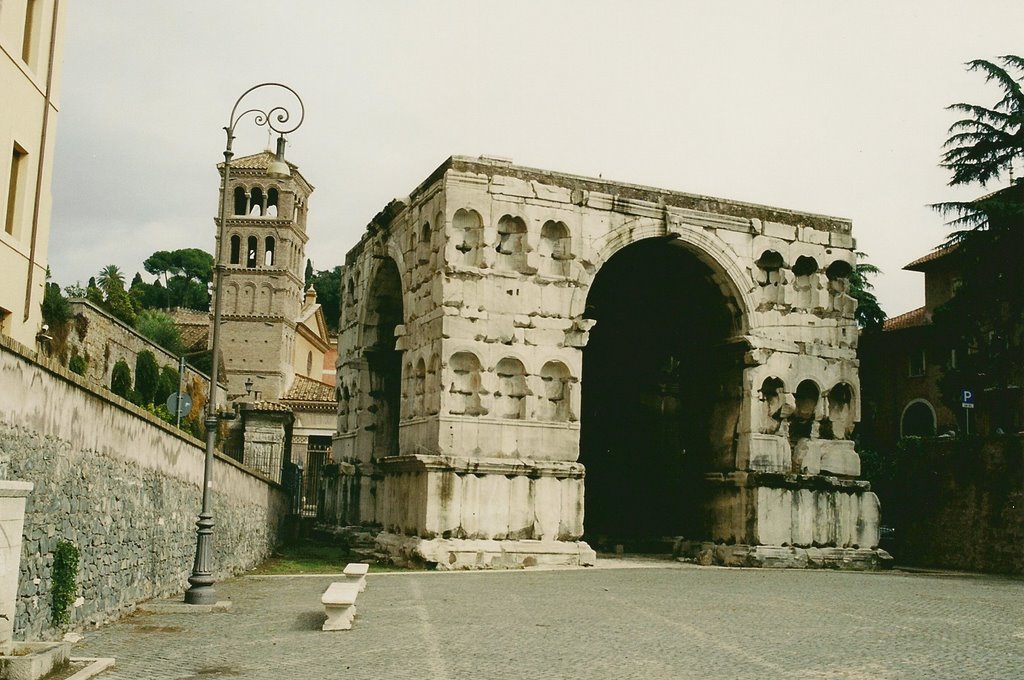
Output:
x=201 y=590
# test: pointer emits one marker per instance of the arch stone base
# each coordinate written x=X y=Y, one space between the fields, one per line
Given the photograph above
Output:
x=448 y=554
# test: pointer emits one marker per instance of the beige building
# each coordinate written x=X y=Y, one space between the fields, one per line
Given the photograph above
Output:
x=30 y=60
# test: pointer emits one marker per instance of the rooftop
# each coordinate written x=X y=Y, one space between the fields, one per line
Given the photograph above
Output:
x=915 y=317
x=309 y=390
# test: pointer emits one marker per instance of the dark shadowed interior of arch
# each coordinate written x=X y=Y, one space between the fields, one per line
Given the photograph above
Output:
x=383 y=313
x=661 y=389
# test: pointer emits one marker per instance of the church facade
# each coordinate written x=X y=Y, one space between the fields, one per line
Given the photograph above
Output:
x=533 y=364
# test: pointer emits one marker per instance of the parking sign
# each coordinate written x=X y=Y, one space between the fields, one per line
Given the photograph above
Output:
x=967 y=398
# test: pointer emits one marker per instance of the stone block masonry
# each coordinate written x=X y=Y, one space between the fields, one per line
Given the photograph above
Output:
x=521 y=350
x=122 y=486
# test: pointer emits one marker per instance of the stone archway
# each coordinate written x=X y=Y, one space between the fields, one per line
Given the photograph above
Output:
x=383 y=313
x=661 y=394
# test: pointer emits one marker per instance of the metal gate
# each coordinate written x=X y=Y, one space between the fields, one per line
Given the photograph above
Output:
x=312 y=493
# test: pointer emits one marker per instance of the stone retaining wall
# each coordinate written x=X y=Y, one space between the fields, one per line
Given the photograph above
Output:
x=958 y=504
x=121 y=485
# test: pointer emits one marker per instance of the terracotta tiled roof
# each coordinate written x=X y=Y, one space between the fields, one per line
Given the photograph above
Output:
x=257 y=161
x=916 y=317
x=193 y=326
x=272 y=406
x=936 y=254
x=307 y=389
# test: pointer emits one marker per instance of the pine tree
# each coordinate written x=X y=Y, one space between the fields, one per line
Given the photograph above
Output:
x=984 y=321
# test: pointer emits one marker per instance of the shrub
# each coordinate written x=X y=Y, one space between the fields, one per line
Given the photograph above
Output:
x=121 y=379
x=166 y=385
x=64 y=581
x=160 y=328
x=78 y=364
x=147 y=373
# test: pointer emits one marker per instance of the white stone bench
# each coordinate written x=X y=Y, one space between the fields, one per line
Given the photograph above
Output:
x=355 y=572
x=339 y=602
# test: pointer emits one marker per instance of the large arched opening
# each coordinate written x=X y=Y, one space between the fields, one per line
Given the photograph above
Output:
x=662 y=385
x=383 y=313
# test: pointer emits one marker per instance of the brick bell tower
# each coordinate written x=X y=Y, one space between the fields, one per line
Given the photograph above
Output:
x=264 y=255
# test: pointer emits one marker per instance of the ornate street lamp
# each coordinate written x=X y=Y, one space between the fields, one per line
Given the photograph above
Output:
x=278 y=119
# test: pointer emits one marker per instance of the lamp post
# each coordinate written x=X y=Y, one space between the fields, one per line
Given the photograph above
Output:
x=278 y=119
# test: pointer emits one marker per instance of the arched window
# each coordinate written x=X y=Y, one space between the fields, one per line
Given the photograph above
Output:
x=511 y=244
x=236 y=248
x=309 y=364
x=240 y=200
x=468 y=236
x=252 y=248
x=918 y=419
x=555 y=251
x=268 y=259
x=556 y=403
x=272 y=197
x=256 y=204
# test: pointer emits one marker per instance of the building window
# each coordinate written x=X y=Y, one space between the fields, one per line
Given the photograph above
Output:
x=952 y=359
x=268 y=256
x=250 y=260
x=19 y=162
x=28 y=43
x=5 y=321
x=236 y=248
x=241 y=200
x=916 y=364
x=309 y=364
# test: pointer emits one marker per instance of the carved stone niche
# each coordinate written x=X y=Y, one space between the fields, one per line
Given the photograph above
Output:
x=771 y=277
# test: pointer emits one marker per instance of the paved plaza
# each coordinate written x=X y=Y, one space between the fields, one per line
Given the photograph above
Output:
x=655 y=620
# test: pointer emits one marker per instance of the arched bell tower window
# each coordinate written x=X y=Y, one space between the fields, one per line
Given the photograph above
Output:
x=272 y=197
x=236 y=248
x=250 y=256
x=240 y=201
x=268 y=259
x=256 y=204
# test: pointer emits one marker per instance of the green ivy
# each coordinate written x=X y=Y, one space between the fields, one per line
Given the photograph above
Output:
x=64 y=578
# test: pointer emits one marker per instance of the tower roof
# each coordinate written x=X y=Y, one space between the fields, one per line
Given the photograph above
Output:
x=261 y=161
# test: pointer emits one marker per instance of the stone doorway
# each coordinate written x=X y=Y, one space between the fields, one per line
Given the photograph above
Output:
x=384 y=313
x=661 y=394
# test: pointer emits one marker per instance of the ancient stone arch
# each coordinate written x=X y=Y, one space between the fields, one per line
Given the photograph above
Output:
x=512 y=325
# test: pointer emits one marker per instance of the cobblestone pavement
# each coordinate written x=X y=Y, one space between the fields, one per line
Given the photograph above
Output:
x=680 y=621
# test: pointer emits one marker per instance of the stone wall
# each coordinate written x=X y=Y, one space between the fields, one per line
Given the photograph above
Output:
x=121 y=485
x=958 y=504
x=103 y=340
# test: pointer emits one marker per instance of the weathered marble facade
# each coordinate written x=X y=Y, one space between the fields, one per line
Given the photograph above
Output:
x=515 y=341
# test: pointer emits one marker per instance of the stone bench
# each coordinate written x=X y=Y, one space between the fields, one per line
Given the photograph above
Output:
x=339 y=602
x=355 y=572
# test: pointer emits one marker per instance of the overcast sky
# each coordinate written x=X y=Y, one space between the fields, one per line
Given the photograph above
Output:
x=826 y=107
